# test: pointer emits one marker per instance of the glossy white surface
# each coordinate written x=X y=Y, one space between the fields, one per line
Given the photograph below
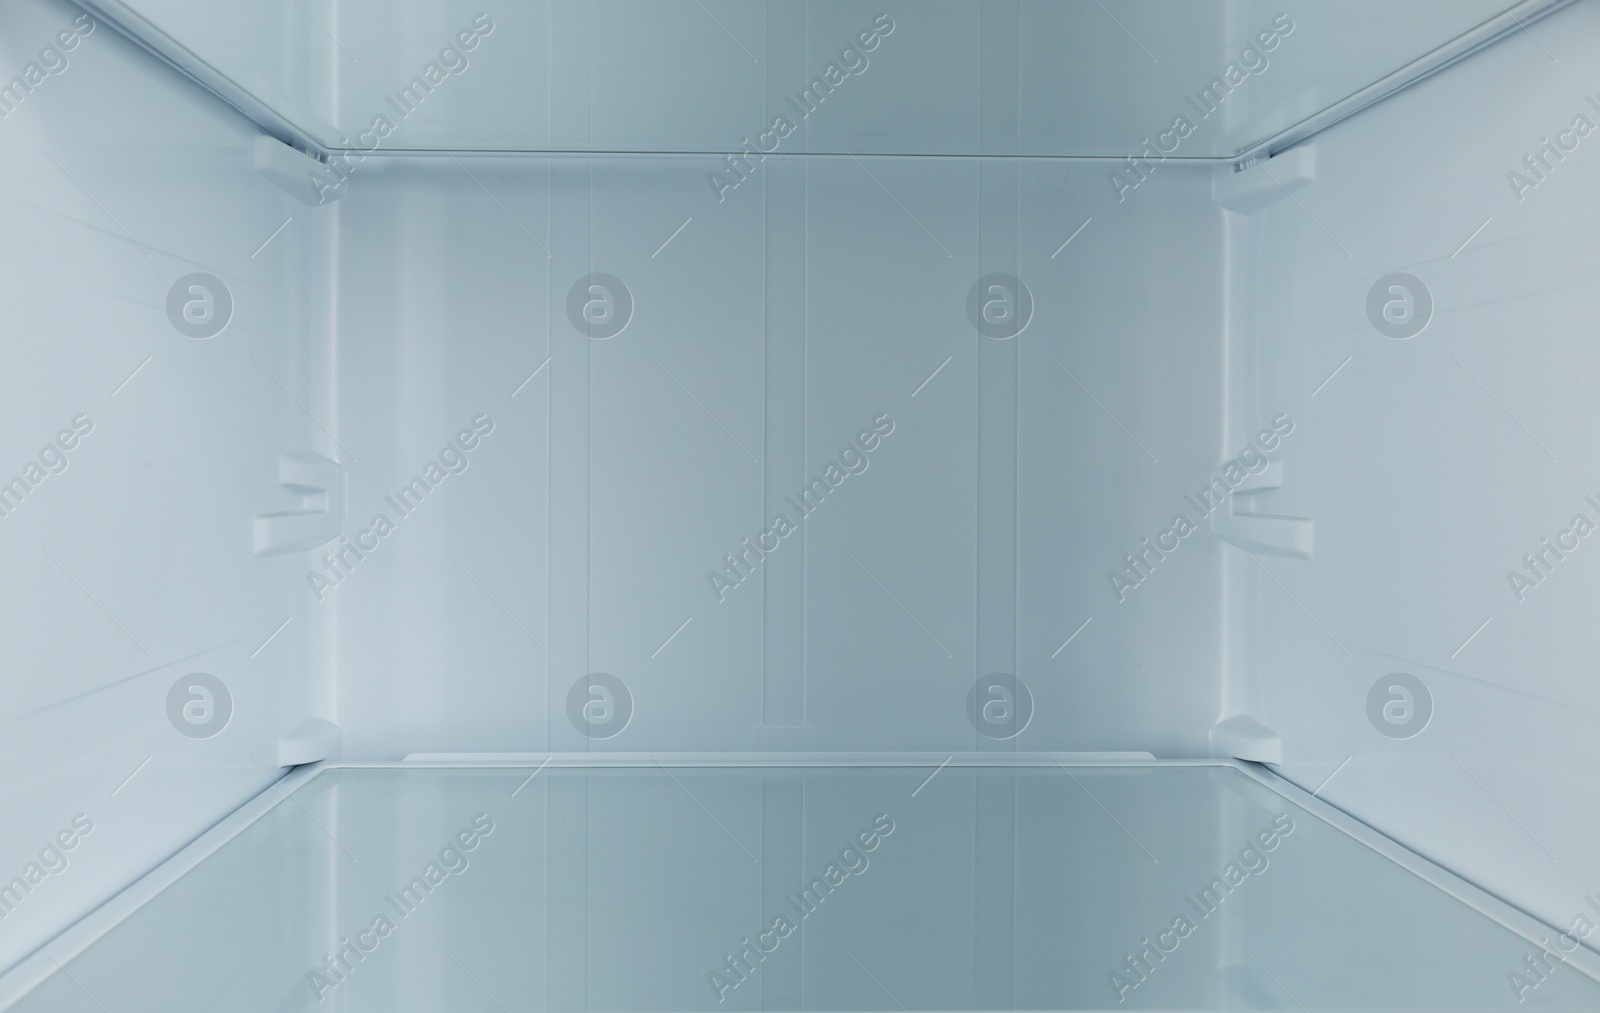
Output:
x=767 y=325
x=131 y=568
x=1432 y=465
x=961 y=888
x=765 y=336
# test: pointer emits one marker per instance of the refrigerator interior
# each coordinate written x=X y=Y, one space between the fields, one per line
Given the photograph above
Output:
x=682 y=433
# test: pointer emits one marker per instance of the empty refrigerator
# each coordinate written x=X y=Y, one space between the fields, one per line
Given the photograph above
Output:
x=595 y=467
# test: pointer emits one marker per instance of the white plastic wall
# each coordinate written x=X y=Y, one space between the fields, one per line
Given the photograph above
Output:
x=764 y=332
x=130 y=567
x=765 y=336
x=285 y=54
x=1431 y=465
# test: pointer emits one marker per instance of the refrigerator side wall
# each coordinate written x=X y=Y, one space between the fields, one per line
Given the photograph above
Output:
x=1432 y=666
x=152 y=658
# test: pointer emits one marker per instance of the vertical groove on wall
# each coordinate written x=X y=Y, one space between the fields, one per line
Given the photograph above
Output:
x=567 y=829
x=570 y=456
x=999 y=186
x=784 y=183
x=782 y=980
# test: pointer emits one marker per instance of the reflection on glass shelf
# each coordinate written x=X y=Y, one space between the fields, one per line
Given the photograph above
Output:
x=649 y=889
x=1080 y=77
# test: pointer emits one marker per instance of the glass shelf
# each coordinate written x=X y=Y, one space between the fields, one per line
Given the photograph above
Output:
x=1140 y=886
